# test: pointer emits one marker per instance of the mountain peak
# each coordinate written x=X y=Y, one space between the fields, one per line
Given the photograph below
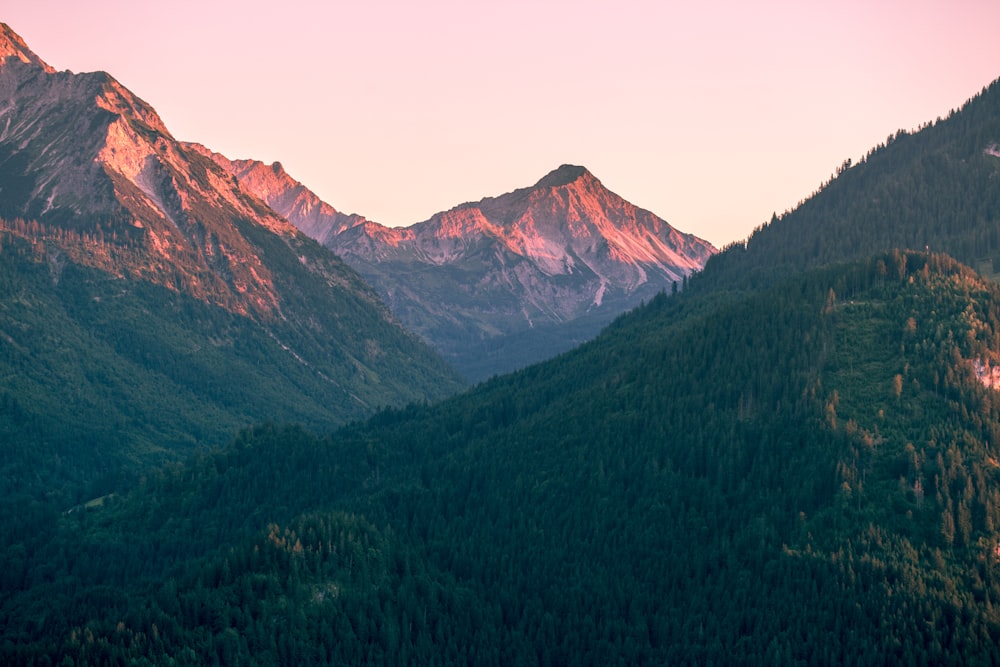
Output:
x=564 y=175
x=12 y=46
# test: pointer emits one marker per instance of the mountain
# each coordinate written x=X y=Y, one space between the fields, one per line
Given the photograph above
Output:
x=12 y=46
x=81 y=153
x=149 y=305
x=545 y=266
x=661 y=495
x=506 y=281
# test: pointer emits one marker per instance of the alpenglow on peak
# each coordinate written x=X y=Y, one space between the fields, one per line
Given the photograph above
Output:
x=12 y=46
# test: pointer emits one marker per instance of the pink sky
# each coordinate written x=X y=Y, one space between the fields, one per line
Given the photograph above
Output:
x=712 y=115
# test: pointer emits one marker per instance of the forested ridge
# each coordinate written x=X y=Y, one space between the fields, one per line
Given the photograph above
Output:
x=806 y=476
x=935 y=189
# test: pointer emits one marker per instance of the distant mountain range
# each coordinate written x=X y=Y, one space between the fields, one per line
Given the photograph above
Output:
x=506 y=281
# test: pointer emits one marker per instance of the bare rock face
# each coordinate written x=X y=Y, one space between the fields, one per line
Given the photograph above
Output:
x=294 y=201
x=12 y=46
x=563 y=257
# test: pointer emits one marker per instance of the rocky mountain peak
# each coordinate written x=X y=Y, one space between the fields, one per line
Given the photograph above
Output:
x=564 y=255
x=122 y=102
x=92 y=157
x=564 y=175
x=12 y=46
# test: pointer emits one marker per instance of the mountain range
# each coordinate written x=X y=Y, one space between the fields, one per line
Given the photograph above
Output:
x=812 y=424
x=500 y=283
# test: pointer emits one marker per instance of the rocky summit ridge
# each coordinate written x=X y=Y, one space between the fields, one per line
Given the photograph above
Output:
x=80 y=153
x=287 y=196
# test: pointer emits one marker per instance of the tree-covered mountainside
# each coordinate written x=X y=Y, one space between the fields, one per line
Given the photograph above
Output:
x=936 y=189
x=103 y=375
x=667 y=494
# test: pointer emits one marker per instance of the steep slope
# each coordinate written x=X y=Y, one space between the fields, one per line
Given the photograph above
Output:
x=12 y=46
x=937 y=188
x=509 y=280
x=80 y=153
x=146 y=290
x=294 y=201
x=663 y=495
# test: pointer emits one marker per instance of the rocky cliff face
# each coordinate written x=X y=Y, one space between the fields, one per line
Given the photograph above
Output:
x=13 y=47
x=80 y=153
x=568 y=223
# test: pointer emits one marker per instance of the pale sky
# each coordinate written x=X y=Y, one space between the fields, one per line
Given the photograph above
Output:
x=712 y=115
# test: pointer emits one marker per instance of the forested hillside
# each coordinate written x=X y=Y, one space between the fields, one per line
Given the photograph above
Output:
x=937 y=189
x=105 y=376
x=667 y=494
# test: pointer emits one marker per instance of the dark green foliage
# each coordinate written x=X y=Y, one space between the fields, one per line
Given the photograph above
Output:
x=667 y=494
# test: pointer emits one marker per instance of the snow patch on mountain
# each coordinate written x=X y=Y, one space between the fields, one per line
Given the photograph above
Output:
x=599 y=295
